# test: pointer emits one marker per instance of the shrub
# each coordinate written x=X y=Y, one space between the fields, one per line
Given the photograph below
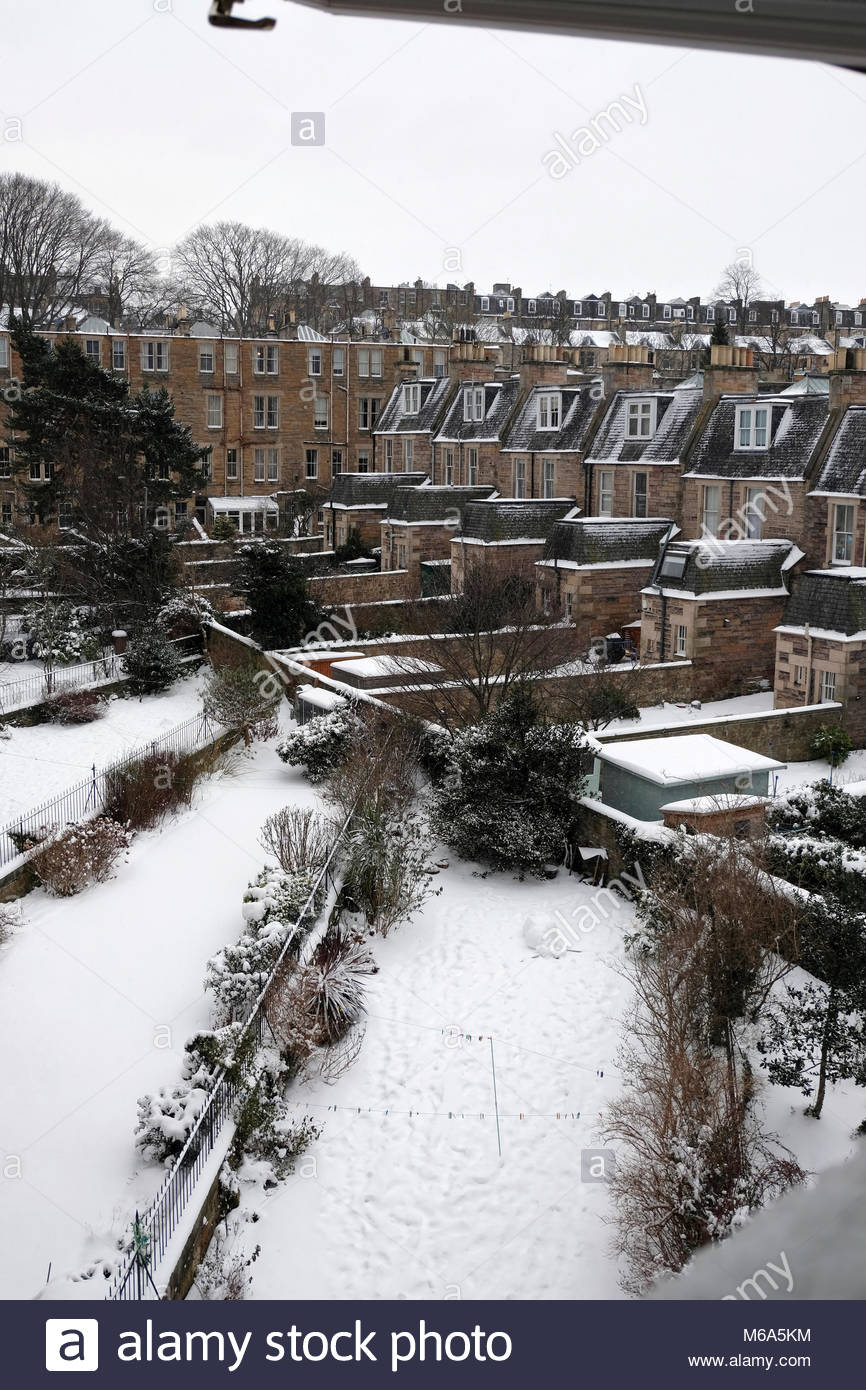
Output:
x=822 y=810
x=509 y=793
x=830 y=743
x=73 y=707
x=58 y=636
x=141 y=793
x=320 y=1003
x=388 y=872
x=10 y=918
x=166 y=1118
x=151 y=662
x=267 y=1134
x=70 y=860
x=184 y=614
x=322 y=746
x=244 y=698
x=223 y=530
x=298 y=838
x=277 y=593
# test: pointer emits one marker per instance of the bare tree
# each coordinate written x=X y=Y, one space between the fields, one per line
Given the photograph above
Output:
x=128 y=273
x=484 y=640
x=740 y=283
x=50 y=247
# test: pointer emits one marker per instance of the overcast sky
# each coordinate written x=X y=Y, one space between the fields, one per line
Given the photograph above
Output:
x=435 y=144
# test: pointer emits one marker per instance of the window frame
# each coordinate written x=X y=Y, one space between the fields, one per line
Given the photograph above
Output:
x=548 y=411
x=751 y=429
x=636 y=494
x=639 y=410
x=214 y=410
x=838 y=531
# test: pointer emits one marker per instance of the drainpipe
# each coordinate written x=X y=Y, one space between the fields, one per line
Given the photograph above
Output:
x=662 y=596
x=809 y=671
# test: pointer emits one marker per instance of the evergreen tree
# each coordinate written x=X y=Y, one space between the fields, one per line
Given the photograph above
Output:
x=276 y=589
x=817 y=1034
x=720 y=335
x=508 y=790
x=114 y=460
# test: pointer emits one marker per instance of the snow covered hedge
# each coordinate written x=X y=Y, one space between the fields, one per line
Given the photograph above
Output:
x=323 y=745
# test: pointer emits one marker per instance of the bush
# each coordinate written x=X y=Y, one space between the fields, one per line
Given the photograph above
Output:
x=183 y=615
x=277 y=593
x=321 y=1003
x=267 y=1134
x=223 y=530
x=509 y=792
x=166 y=1118
x=73 y=707
x=151 y=662
x=58 y=637
x=830 y=743
x=143 y=792
x=298 y=838
x=388 y=871
x=322 y=746
x=244 y=698
x=72 y=859
x=822 y=810
x=10 y=918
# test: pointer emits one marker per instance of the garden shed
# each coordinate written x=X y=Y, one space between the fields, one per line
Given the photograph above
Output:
x=641 y=776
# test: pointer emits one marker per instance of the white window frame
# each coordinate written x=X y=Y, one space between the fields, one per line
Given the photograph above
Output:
x=748 y=434
x=799 y=676
x=840 y=530
x=232 y=465
x=118 y=355
x=712 y=493
x=311 y=463
x=4 y=352
x=635 y=494
x=259 y=411
x=645 y=311
x=273 y=465
x=411 y=398
x=828 y=687
x=206 y=359
x=231 y=359
x=753 y=513
x=259 y=464
x=519 y=478
x=681 y=641
x=440 y=363
x=314 y=362
x=389 y=454
x=408 y=453
x=641 y=418
x=376 y=360
x=666 y=312
x=272 y=360
x=321 y=413
x=605 y=491
x=449 y=467
x=214 y=411
x=92 y=343
x=336 y=461
x=578 y=309
x=472 y=467
x=549 y=410
x=338 y=365
x=154 y=355
x=549 y=478
x=5 y=461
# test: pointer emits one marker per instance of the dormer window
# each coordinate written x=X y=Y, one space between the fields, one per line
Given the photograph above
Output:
x=578 y=309
x=531 y=307
x=690 y=312
x=752 y=429
x=411 y=398
x=732 y=316
x=815 y=318
x=473 y=404
x=641 y=419
x=710 y=314
x=549 y=410
x=485 y=304
x=622 y=310
x=646 y=311
x=602 y=309
x=666 y=312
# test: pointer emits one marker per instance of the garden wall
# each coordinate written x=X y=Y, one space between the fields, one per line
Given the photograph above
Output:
x=780 y=733
x=375 y=586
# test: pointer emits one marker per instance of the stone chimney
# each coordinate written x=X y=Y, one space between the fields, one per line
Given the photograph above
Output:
x=473 y=361
x=544 y=365
x=732 y=372
x=848 y=378
x=627 y=367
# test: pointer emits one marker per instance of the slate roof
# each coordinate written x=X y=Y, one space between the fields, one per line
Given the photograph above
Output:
x=844 y=468
x=434 y=398
x=676 y=413
x=412 y=504
x=370 y=489
x=828 y=600
x=579 y=405
x=500 y=399
x=715 y=567
x=796 y=425
x=604 y=540
x=514 y=519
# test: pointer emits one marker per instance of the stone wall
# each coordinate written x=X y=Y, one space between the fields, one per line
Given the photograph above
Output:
x=371 y=587
x=783 y=734
x=597 y=601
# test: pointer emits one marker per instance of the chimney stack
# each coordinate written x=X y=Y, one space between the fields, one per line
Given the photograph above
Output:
x=732 y=372
x=627 y=367
x=848 y=378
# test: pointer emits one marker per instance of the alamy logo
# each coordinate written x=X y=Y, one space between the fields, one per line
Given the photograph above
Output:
x=71 y=1344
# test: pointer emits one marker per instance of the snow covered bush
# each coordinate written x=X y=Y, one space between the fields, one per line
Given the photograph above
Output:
x=831 y=743
x=323 y=745
x=272 y=911
x=10 y=918
x=224 y=1276
x=142 y=792
x=508 y=793
x=151 y=662
x=267 y=1134
x=165 y=1119
x=388 y=870
x=184 y=613
x=298 y=838
x=243 y=698
x=73 y=707
x=59 y=637
x=69 y=860
x=821 y=809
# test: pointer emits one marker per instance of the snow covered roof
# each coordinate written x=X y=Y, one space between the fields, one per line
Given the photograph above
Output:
x=829 y=601
x=583 y=541
x=499 y=400
x=711 y=568
x=808 y=386
x=319 y=697
x=370 y=489
x=222 y=505
x=368 y=666
x=578 y=407
x=685 y=759
x=434 y=504
x=306 y=334
x=676 y=413
x=500 y=520
x=796 y=423
x=433 y=392
x=844 y=468
x=708 y=805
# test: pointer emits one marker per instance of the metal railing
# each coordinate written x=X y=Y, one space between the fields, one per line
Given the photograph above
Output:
x=154 y=1231
x=31 y=690
x=20 y=837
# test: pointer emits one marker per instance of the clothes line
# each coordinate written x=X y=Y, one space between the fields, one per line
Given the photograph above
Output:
x=442 y=1114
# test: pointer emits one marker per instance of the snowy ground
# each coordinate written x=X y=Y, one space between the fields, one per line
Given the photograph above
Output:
x=39 y=762
x=86 y=986
x=421 y=1205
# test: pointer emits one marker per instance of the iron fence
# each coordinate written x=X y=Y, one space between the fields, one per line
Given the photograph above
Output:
x=153 y=1232
x=21 y=836
x=31 y=690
